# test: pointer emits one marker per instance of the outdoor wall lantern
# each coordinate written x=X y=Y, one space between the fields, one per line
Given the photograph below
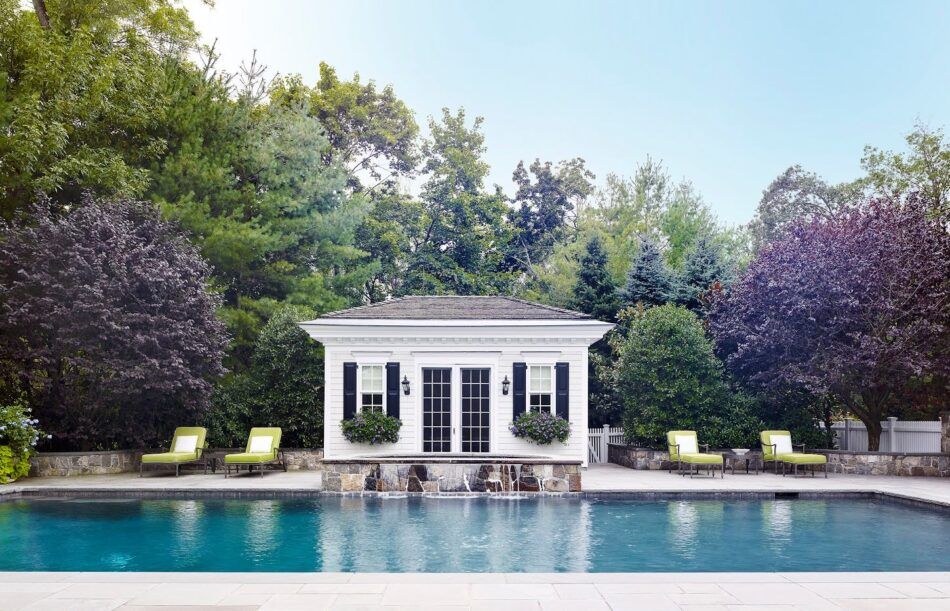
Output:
x=504 y=386
x=405 y=385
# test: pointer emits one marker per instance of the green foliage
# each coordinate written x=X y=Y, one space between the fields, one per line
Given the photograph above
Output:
x=18 y=438
x=80 y=101
x=594 y=291
x=458 y=242
x=373 y=428
x=649 y=281
x=670 y=379
x=543 y=428
x=924 y=169
x=704 y=267
x=283 y=387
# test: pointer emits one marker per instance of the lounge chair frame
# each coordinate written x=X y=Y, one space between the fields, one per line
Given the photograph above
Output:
x=693 y=472
x=775 y=459
x=273 y=465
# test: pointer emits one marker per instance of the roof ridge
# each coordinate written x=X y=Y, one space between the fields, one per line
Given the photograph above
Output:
x=538 y=304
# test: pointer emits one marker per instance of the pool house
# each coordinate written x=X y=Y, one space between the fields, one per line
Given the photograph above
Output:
x=456 y=371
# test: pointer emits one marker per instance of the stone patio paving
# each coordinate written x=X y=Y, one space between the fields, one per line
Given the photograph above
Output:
x=582 y=591
x=484 y=591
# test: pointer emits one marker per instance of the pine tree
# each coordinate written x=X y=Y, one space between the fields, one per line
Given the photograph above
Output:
x=594 y=292
x=704 y=266
x=649 y=281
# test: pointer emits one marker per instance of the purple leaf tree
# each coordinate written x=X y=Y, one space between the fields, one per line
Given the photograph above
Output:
x=106 y=324
x=856 y=306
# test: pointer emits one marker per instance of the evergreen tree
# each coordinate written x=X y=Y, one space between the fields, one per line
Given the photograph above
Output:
x=594 y=292
x=649 y=281
x=704 y=266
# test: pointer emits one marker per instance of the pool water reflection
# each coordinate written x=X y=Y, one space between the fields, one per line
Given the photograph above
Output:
x=470 y=534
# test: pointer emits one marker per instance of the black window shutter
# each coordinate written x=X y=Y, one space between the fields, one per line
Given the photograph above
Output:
x=349 y=390
x=392 y=389
x=519 y=399
x=562 y=388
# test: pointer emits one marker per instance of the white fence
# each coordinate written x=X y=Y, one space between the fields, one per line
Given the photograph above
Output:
x=896 y=436
x=597 y=440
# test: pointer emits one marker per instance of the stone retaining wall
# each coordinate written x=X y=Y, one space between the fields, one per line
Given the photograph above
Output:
x=65 y=464
x=58 y=464
x=643 y=459
x=839 y=461
x=355 y=476
x=888 y=463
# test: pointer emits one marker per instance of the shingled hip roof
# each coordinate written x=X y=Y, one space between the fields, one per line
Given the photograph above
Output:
x=457 y=308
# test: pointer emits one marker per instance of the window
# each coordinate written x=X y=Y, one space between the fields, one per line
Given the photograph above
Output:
x=539 y=388
x=371 y=388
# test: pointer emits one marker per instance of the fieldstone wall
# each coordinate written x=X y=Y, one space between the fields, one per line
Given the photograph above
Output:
x=643 y=459
x=65 y=464
x=53 y=464
x=450 y=477
x=300 y=459
x=888 y=463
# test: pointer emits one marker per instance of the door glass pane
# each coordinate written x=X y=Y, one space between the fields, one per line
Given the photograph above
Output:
x=437 y=410
x=476 y=400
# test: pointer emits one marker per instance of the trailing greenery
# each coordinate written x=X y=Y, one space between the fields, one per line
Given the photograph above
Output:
x=543 y=428
x=670 y=379
x=373 y=428
x=19 y=436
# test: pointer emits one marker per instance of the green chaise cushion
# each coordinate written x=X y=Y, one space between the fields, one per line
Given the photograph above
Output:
x=169 y=457
x=798 y=458
x=701 y=459
x=674 y=438
x=259 y=438
x=190 y=436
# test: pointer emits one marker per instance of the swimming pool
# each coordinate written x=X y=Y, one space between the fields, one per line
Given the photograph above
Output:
x=336 y=533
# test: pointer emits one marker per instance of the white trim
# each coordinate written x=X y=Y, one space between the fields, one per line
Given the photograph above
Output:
x=360 y=367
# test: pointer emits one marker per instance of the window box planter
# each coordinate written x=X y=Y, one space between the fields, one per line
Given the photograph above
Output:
x=542 y=428
x=372 y=428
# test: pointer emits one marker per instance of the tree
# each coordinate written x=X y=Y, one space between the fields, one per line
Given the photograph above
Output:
x=594 y=291
x=458 y=243
x=105 y=323
x=649 y=282
x=82 y=95
x=283 y=387
x=796 y=194
x=371 y=132
x=670 y=379
x=856 y=308
x=544 y=207
x=924 y=170
x=704 y=267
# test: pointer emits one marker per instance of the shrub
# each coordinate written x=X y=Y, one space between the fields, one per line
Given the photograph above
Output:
x=371 y=427
x=541 y=427
x=18 y=438
x=283 y=387
x=671 y=380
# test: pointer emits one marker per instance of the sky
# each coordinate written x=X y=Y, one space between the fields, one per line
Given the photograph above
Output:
x=726 y=94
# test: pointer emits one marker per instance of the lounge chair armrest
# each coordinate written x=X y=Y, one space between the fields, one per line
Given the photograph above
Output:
x=799 y=445
x=705 y=445
x=774 y=448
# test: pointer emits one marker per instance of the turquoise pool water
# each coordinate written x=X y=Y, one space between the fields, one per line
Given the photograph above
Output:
x=470 y=534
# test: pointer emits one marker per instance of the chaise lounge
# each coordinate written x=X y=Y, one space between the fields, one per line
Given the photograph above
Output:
x=187 y=447
x=684 y=448
x=263 y=450
x=777 y=447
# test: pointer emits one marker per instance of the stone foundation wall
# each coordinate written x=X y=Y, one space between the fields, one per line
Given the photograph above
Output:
x=54 y=464
x=643 y=459
x=888 y=463
x=450 y=477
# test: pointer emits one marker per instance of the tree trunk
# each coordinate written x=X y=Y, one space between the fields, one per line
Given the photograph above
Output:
x=39 y=6
x=874 y=435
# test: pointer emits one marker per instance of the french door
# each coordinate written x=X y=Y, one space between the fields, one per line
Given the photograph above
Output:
x=456 y=399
